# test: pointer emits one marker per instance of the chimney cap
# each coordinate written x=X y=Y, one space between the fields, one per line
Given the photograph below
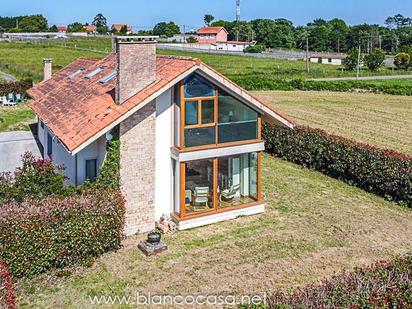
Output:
x=136 y=39
x=47 y=60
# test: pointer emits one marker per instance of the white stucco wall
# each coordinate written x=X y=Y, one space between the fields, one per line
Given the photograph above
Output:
x=60 y=156
x=164 y=167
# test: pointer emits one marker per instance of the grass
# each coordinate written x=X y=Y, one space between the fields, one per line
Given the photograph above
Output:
x=16 y=118
x=313 y=227
x=25 y=60
x=381 y=120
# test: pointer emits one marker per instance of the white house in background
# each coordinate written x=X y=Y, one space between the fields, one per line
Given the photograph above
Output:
x=190 y=138
x=234 y=45
x=326 y=58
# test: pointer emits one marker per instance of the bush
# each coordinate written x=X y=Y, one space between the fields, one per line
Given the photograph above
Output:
x=254 y=49
x=7 y=296
x=40 y=234
x=37 y=178
x=351 y=61
x=15 y=87
x=375 y=59
x=386 y=284
x=383 y=172
x=402 y=61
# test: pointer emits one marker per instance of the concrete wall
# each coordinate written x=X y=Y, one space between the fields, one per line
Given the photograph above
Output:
x=326 y=61
x=137 y=169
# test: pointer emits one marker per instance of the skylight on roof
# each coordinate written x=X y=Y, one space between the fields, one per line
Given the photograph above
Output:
x=97 y=71
x=73 y=75
x=104 y=80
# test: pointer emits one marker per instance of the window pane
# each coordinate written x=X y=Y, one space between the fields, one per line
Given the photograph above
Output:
x=237 y=122
x=196 y=86
x=208 y=111
x=200 y=136
x=191 y=113
x=198 y=186
x=91 y=169
x=237 y=180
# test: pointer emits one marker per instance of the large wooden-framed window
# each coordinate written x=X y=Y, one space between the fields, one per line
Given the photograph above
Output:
x=210 y=117
x=221 y=184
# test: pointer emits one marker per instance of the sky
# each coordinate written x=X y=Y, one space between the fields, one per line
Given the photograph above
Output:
x=144 y=14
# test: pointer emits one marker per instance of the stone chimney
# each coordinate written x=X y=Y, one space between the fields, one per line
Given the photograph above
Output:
x=136 y=65
x=47 y=68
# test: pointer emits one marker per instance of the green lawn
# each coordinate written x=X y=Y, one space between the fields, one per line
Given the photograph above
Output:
x=15 y=118
x=381 y=120
x=313 y=227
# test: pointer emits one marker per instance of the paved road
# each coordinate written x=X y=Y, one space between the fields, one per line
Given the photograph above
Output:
x=12 y=146
x=363 y=78
x=7 y=77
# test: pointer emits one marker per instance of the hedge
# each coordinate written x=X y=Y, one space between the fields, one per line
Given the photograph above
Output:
x=7 y=296
x=382 y=172
x=386 y=284
x=40 y=234
x=267 y=83
x=15 y=87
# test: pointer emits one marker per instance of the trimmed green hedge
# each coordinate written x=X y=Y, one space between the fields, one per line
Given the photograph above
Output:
x=40 y=234
x=267 y=83
x=386 y=284
x=382 y=172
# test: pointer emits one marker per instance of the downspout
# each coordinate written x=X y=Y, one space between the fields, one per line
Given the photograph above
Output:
x=75 y=168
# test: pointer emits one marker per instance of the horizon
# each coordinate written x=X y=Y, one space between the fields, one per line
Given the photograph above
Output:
x=66 y=12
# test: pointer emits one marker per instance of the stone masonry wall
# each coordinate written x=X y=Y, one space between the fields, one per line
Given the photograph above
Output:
x=137 y=169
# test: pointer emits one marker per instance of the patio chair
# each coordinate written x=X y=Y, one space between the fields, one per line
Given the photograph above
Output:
x=10 y=97
x=230 y=193
x=3 y=100
x=18 y=98
x=201 y=196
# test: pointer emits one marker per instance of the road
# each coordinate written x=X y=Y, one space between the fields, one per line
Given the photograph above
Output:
x=362 y=78
x=13 y=145
x=7 y=77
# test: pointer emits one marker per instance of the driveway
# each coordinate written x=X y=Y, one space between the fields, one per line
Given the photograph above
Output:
x=13 y=145
x=7 y=77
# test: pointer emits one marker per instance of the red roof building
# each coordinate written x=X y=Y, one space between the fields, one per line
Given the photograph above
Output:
x=119 y=27
x=212 y=35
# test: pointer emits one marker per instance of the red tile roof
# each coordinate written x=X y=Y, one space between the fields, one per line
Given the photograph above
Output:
x=210 y=30
x=76 y=110
x=61 y=28
x=90 y=28
x=119 y=27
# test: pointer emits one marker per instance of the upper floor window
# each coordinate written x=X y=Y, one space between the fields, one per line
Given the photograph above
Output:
x=212 y=116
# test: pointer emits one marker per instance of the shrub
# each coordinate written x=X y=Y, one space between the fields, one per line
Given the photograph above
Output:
x=386 y=284
x=36 y=178
x=40 y=234
x=402 y=61
x=351 y=61
x=254 y=49
x=383 y=172
x=375 y=59
x=7 y=296
x=15 y=87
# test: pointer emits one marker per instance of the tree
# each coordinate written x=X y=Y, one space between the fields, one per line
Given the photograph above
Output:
x=375 y=59
x=351 y=61
x=339 y=33
x=402 y=61
x=33 y=23
x=191 y=39
x=76 y=27
x=208 y=19
x=166 y=29
x=319 y=33
x=53 y=28
x=101 y=23
x=397 y=21
x=123 y=30
x=282 y=34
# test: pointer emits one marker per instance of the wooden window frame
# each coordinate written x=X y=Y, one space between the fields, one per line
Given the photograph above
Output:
x=199 y=124
x=181 y=216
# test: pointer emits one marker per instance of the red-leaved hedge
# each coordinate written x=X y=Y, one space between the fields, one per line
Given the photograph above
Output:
x=383 y=172
x=40 y=234
x=7 y=296
x=20 y=86
x=386 y=284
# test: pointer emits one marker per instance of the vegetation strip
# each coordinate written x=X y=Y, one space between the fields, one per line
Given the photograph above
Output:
x=383 y=172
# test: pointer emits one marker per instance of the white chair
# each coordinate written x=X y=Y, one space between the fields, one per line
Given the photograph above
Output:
x=229 y=194
x=201 y=196
x=3 y=100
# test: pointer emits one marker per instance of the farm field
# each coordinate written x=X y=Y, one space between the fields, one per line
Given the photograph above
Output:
x=313 y=227
x=24 y=60
x=381 y=120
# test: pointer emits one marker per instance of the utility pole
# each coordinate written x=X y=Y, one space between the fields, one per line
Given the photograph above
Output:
x=358 y=66
x=338 y=45
x=184 y=33
x=17 y=23
x=380 y=41
x=307 y=54
x=237 y=18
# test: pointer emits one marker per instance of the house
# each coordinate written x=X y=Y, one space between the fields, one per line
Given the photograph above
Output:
x=190 y=138
x=233 y=45
x=118 y=27
x=90 y=29
x=212 y=35
x=62 y=29
x=333 y=59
